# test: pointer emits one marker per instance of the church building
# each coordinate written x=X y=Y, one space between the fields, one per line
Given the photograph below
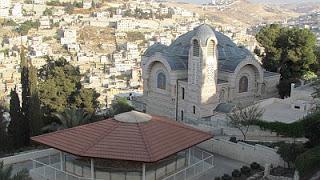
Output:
x=200 y=70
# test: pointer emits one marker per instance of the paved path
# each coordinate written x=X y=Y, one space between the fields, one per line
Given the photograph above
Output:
x=223 y=165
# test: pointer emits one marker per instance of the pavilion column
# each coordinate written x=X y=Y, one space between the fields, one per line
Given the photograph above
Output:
x=92 y=168
x=62 y=161
x=189 y=156
x=143 y=171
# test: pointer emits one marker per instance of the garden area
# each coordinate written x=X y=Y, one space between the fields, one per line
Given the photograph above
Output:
x=304 y=157
x=255 y=170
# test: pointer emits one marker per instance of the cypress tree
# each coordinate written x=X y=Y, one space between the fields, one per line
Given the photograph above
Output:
x=24 y=80
x=34 y=111
x=3 y=130
x=16 y=126
x=25 y=96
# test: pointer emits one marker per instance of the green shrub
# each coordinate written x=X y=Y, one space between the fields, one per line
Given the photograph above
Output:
x=245 y=170
x=308 y=161
x=236 y=173
x=295 y=129
x=217 y=178
x=255 y=166
x=226 y=177
x=311 y=126
x=289 y=152
x=233 y=139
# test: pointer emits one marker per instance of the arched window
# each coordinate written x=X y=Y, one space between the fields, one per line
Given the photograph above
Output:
x=210 y=48
x=222 y=96
x=196 y=48
x=161 y=81
x=243 y=84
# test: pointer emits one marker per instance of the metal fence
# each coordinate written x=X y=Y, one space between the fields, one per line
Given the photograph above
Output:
x=42 y=171
x=49 y=167
x=201 y=161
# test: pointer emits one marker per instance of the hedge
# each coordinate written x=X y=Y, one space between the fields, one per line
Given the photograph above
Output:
x=308 y=161
x=296 y=129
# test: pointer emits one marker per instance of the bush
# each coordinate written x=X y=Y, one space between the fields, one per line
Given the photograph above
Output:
x=308 y=161
x=226 y=177
x=245 y=170
x=255 y=166
x=311 y=126
x=236 y=173
x=217 y=178
x=233 y=139
x=284 y=87
x=295 y=129
x=289 y=152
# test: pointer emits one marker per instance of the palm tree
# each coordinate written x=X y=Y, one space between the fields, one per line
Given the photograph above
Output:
x=73 y=117
x=69 y=118
x=6 y=174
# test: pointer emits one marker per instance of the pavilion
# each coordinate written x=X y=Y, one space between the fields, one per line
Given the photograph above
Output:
x=130 y=146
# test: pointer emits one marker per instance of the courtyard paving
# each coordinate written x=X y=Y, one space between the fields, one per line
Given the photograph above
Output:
x=222 y=165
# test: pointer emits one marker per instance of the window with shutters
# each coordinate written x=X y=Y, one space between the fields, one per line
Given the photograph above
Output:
x=210 y=48
x=196 y=48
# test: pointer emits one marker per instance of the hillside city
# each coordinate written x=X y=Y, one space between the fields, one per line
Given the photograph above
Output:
x=89 y=90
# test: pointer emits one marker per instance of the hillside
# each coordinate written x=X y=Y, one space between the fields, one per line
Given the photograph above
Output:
x=242 y=13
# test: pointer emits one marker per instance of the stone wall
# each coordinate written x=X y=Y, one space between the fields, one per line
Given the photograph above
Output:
x=244 y=152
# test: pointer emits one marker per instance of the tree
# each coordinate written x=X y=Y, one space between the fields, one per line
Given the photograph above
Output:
x=73 y=117
x=47 y=12
x=25 y=96
x=87 y=99
x=311 y=126
x=6 y=174
x=60 y=88
x=3 y=130
x=288 y=51
x=242 y=118
x=289 y=152
x=34 y=110
x=24 y=28
x=69 y=118
x=16 y=126
x=121 y=106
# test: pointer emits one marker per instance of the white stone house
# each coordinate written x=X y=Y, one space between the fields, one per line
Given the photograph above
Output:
x=200 y=70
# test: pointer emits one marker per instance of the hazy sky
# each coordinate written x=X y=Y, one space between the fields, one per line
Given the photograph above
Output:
x=256 y=1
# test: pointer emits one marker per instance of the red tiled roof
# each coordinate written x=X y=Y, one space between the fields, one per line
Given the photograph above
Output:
x=111 y=139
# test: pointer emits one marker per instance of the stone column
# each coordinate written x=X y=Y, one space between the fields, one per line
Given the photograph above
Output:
x=143 y=171
x=62 y=161
x=92 y=168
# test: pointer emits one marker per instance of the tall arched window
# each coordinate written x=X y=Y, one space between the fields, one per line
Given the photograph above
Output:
x=196 y=48
x=222 y=96
x=161 y=81
x=210 y=48
x=243 y=84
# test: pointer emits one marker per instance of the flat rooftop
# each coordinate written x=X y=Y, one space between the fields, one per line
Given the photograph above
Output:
x=281 y=112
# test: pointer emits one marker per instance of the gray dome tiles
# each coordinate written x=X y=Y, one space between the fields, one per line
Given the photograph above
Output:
x=229 y=54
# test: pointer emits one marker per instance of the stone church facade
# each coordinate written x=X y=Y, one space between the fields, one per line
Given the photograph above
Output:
x=200 y=70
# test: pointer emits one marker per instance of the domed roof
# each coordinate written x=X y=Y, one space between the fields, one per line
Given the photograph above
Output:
x=229 y=54
x=203 y=33
x=156 y=47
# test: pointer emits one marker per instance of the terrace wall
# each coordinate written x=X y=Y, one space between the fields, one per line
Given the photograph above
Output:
x=244 y=152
